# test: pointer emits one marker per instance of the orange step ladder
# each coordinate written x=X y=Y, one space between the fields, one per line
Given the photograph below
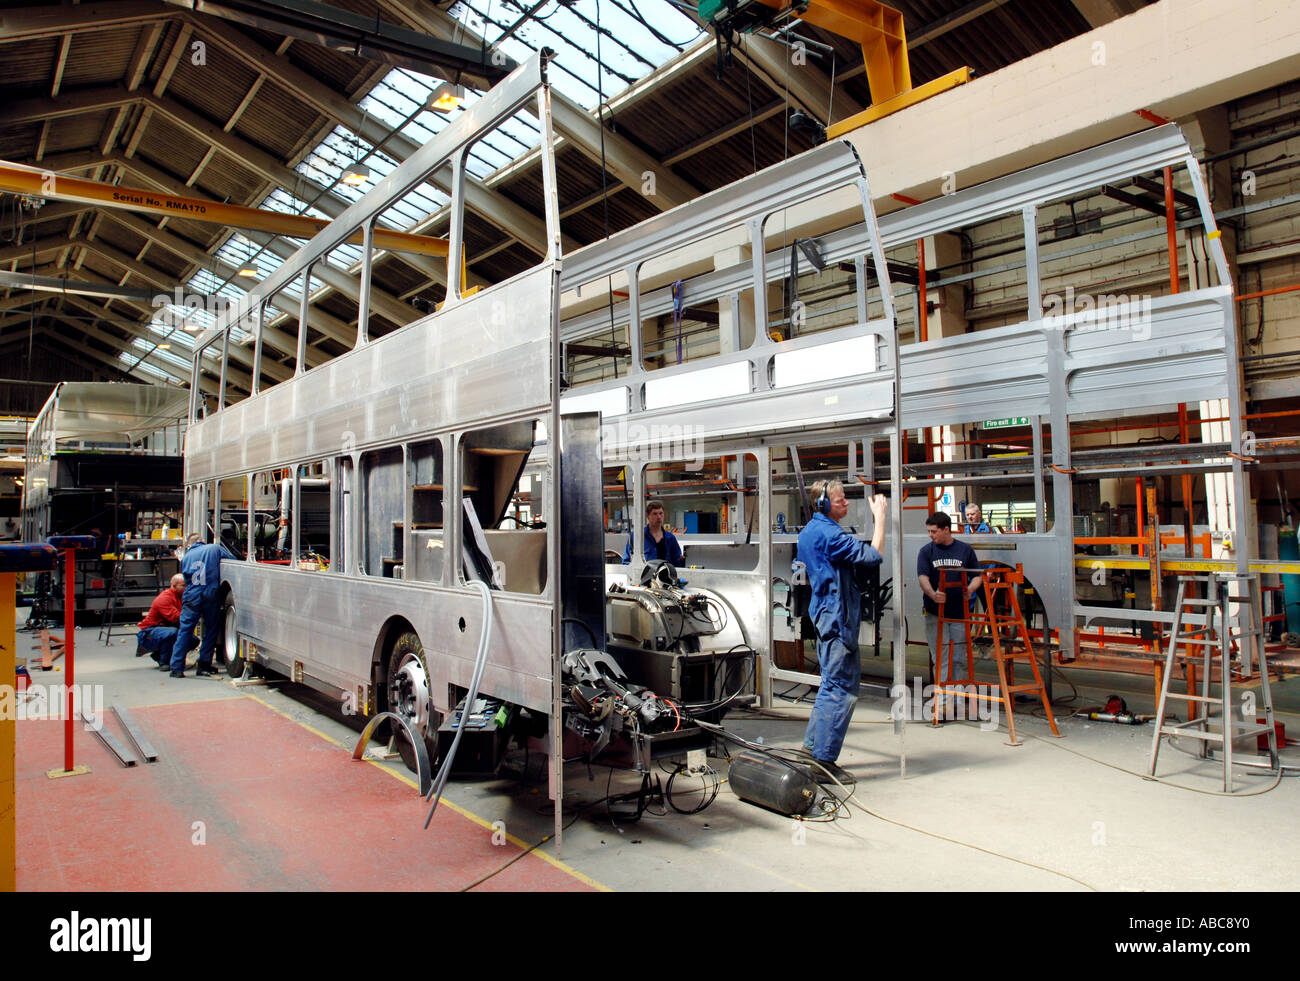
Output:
x=1011 y=643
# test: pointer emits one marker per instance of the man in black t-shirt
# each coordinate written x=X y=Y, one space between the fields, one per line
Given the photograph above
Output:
x=946 y=552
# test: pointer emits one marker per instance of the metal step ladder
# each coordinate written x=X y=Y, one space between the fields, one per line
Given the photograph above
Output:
x=1203 y=628
x=113 y=601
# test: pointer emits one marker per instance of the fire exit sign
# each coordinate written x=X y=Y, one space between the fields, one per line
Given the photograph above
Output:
x=1006 y=423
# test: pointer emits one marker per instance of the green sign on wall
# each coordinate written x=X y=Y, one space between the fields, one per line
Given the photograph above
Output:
x=1006 y=423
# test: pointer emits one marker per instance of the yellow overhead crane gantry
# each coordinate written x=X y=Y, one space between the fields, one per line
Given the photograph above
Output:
x=878 y=28
x=34 y=182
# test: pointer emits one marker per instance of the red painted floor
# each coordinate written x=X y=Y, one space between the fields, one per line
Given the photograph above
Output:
x=278 y=807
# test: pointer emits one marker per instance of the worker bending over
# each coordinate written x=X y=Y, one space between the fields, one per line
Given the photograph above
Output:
x=201 y=567
x=157 y=631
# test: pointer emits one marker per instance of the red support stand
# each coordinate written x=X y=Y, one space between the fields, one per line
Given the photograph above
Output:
x=68 y=544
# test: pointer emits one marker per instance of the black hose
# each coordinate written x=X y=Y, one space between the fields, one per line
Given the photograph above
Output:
x=590 y=633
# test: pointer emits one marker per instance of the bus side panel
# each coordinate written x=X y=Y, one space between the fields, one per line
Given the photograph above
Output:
x=330 y=622
x=488 y=357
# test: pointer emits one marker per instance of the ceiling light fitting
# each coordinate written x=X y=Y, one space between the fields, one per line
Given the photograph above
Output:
x=446 y=97
x=356 y=174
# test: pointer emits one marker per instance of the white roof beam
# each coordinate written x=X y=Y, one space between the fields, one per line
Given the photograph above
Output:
x=621 y=157
x=173 y=59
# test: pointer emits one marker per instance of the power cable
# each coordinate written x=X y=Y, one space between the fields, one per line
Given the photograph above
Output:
x=956 y=841
x=1151 y=779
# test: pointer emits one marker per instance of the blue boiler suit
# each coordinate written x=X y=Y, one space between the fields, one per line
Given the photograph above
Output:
x=672 y=551
x=201 y=568
x=829 y=553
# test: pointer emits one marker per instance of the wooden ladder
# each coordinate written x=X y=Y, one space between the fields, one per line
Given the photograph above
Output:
x=1016 y=646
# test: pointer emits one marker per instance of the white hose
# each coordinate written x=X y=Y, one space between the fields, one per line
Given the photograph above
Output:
x=480 y=662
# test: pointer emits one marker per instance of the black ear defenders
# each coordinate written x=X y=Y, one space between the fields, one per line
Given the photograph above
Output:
x=823 y=505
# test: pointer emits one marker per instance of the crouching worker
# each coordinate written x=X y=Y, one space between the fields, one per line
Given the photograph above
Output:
x=157 y=636
x=835 y=608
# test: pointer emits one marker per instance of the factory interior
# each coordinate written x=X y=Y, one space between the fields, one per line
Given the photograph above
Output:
x=877 y=433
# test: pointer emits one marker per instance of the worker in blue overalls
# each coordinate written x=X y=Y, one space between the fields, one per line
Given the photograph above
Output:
x=835 y=608
x=201 y=567
x=975 y=523
x=660 y=543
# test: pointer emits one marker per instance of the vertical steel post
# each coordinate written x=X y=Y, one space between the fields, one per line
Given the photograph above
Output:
x=8 y=669
x=300 y=354
x=257 y=318
x=363 y=301
x=69 y=632
x=554 y=250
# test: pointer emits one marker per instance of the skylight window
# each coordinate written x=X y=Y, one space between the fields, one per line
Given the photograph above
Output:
x=635 y=38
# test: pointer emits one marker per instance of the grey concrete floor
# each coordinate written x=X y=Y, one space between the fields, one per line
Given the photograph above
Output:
x=967 y=812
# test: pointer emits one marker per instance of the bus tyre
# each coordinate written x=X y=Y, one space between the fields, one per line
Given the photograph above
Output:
x=228 y=638
x=407 y=693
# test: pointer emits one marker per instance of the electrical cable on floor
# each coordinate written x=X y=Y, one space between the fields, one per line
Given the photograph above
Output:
x=955 y=841
x=528 y=851
x=786 y=694
x=711 y=793
x=480 y=662
x=606 y=800
x=988 y=851
x=1167 y=783
x=850 y=796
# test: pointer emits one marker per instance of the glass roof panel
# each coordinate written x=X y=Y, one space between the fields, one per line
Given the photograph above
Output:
x=635 y=37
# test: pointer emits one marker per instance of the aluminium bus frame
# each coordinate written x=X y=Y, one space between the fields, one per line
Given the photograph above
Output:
x=480 y=361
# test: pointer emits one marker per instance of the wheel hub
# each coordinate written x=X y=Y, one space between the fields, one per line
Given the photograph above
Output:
x=408 y=693
x=231 y=645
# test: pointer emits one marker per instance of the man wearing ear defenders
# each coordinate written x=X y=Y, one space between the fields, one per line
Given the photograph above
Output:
x=830 y=553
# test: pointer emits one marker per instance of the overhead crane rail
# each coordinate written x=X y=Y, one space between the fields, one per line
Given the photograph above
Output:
x=19 y=179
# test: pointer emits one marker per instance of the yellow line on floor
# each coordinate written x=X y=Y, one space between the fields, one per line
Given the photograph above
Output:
x=792 y=882
x=158 y=705
x=463 y=812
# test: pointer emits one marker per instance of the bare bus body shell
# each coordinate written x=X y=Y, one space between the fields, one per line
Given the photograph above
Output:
x=492 y=358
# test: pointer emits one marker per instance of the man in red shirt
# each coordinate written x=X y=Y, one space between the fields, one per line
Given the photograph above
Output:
x=157 y=634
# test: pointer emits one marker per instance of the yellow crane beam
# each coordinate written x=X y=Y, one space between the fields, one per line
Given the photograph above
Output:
x=19 y=179
x=878 y=29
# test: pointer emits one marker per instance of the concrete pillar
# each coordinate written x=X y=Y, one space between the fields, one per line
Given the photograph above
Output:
x=948 y=316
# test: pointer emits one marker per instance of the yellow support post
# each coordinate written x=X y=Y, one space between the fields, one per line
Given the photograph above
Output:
x=8 y=729
x=879 y=29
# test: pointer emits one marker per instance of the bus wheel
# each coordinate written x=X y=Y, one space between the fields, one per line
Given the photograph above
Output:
x=408 y=695
x=228 y=638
